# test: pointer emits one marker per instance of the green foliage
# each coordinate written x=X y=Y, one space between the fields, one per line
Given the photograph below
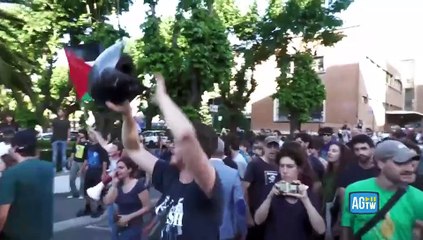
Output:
x=104 y=33
x=315 y=25
x=40 y=25
x=236 y=90
x=192 y=113
x=25 y=117
x=192 y=51
x=303 y=91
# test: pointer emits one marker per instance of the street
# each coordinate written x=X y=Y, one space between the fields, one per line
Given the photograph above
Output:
x=90 y=232
x=68 y=226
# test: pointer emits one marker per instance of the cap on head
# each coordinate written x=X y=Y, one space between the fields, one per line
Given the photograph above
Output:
x=271 y=139
x=395 y=150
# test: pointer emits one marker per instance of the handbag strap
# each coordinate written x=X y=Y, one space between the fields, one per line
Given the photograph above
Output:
x=380 y=214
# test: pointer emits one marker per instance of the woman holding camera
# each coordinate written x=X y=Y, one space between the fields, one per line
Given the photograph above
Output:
x=290 y=210
x=132 y=199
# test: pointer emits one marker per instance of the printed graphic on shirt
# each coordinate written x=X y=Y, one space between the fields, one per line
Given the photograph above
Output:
x=79 y=151
x=93 y=159
x=270 y=177
x=385 y=229
x=175 y=214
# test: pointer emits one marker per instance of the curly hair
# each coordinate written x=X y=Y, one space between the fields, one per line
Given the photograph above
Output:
x=294 y=151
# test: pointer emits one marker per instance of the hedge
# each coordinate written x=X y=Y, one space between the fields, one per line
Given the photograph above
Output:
x=46 y=150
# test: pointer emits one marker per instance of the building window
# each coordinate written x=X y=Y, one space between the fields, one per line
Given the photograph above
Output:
x=281 y=115
x=319 y=66
x=409 y=99
x=365 y=99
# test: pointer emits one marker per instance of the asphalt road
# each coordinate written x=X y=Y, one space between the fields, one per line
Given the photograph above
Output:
x=84 y=233
x=65 y=209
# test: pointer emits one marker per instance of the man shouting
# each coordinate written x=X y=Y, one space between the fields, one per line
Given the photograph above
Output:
x=190 y=206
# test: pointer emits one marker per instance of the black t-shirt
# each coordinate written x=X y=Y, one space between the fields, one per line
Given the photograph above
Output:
x=96 y=156
x=80 y=151
x=230 y=162
x=60 y=129
x=130 y=202
x=354 y=173
x=189 y=213
x=289 y=221
x=5 y=127
x=261 y=176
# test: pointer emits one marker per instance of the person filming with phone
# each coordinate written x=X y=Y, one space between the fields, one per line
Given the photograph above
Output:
x=290 y=210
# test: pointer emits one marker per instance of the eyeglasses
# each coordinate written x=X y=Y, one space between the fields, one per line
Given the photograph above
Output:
x=326 y=134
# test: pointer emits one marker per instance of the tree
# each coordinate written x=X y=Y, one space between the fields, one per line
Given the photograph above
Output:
x=236 y=90
x=314 y=25
x=12 y=64
x=302 y=90
x=46 y=22
x=192 y=51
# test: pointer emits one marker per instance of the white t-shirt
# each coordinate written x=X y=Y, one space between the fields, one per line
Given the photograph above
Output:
x=113 y=164
x=4 y=148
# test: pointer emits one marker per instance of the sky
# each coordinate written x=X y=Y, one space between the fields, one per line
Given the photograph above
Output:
x=389 y=29
x=389 y=24
x=132 y=19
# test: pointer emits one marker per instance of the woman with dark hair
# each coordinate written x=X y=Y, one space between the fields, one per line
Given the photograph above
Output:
x=8 y=124
x=132 y=199
x=291 y=214
x=339 y=155
x=310 y=176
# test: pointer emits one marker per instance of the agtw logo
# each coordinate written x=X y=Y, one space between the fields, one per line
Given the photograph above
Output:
x=364 y=202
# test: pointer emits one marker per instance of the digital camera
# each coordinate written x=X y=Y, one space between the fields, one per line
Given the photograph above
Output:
x=286 y=187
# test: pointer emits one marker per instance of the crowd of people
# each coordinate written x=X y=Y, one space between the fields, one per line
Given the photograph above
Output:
x=220 y=186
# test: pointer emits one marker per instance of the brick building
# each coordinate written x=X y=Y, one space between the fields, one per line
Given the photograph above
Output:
x=360 y=85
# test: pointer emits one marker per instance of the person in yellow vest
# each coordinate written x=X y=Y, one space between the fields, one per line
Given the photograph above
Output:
x=79 y=154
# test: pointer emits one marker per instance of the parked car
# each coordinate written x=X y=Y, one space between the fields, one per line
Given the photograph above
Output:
x=153 y=136
x=48 y=135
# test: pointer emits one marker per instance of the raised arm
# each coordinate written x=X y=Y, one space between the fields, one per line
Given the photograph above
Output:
x=130 y=139
x=185 y=137
x=103 y=142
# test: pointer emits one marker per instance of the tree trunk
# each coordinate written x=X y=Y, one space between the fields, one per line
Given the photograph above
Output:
x=294 y=124
x=104 y=123
x=149 y=113
x=233 y=116
x=195 y=99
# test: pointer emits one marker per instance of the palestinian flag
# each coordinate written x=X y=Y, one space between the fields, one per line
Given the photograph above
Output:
x=79 y=72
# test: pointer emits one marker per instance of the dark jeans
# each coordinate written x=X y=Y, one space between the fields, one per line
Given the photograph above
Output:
x=130 y=233
x=59 y=146
x=256 y=233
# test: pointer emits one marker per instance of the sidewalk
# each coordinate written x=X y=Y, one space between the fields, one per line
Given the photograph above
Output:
x=61 y=183
x=65 y=209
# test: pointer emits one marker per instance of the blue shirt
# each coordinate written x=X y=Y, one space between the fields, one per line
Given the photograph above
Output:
x=96 y=155
x=234 y=206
